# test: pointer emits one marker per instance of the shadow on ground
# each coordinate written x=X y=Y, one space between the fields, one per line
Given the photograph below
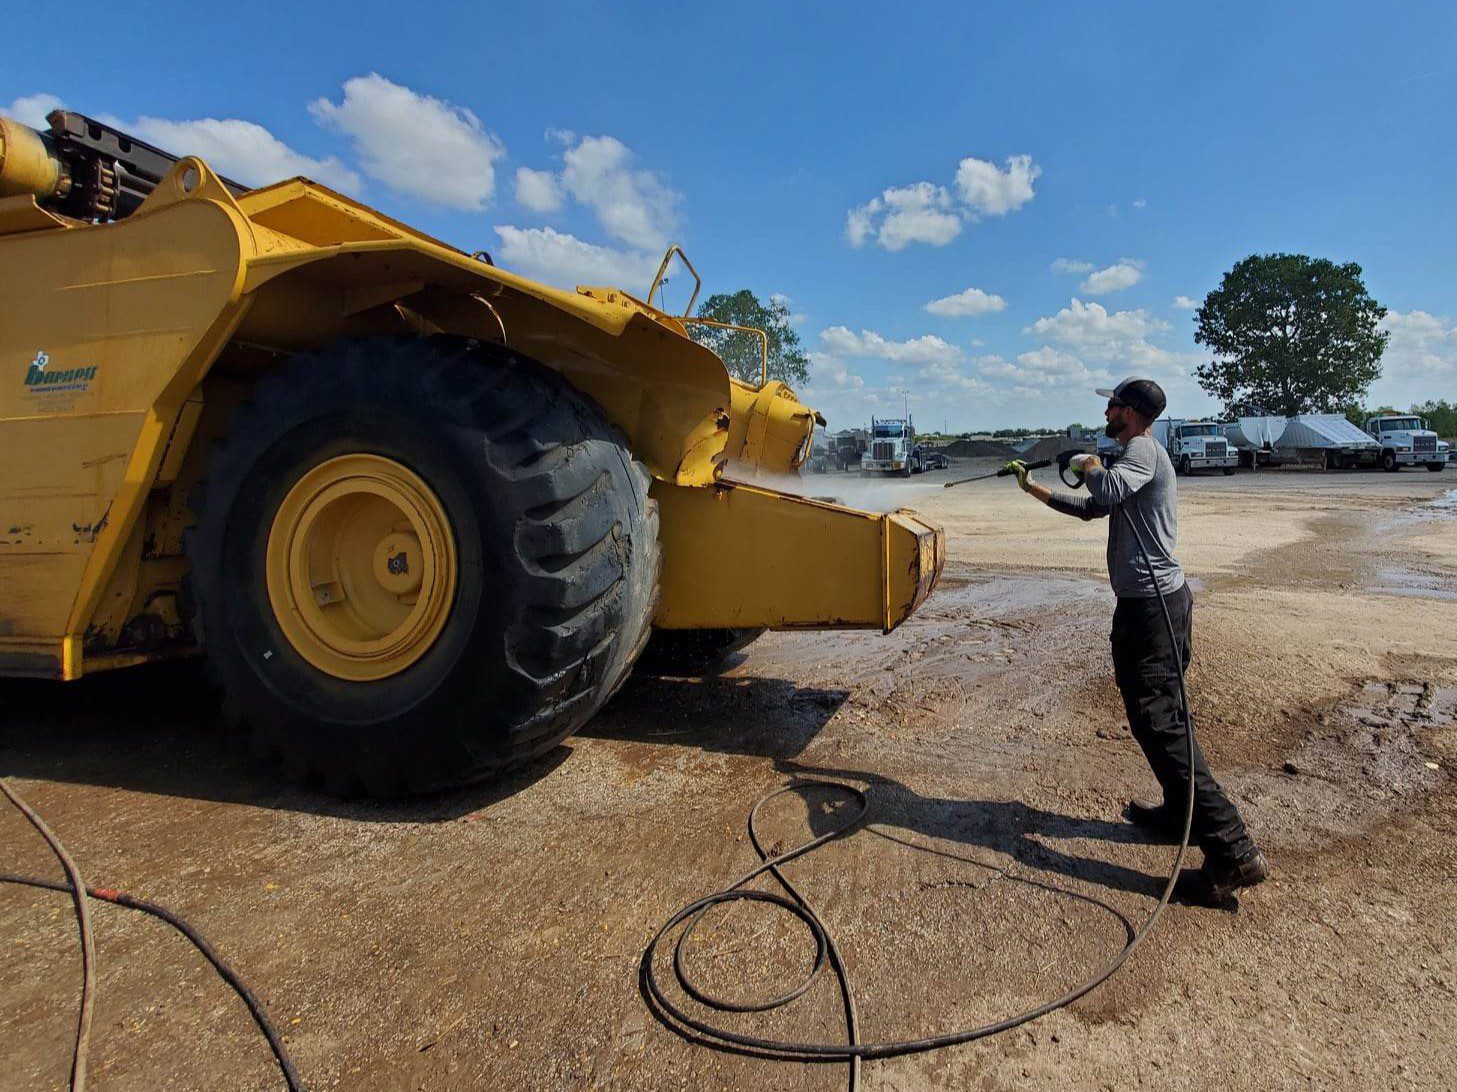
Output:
x=772 y=718
x=156 y=729
x=742 y=715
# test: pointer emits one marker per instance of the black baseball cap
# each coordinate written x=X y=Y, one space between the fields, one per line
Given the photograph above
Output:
x=1144 y=395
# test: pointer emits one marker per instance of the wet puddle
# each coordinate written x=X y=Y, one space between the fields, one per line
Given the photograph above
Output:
x=972 y=618
x=1443 y=507
x=1420 y=585
x=1396 y=580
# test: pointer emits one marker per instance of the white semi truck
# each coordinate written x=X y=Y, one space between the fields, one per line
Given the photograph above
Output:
x=1195 y=445
x=892 y=448
x=1406 y=441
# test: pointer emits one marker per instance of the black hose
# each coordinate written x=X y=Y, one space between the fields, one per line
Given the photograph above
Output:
x=228 y=975
x=81 y=1051
x=853 y=1050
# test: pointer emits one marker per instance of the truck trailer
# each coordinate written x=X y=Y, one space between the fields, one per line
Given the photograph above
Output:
x=1325 y=438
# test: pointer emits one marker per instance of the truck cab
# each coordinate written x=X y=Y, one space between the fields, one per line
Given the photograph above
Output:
x=892 y=448
x=1196 y=445
x=1406 y=441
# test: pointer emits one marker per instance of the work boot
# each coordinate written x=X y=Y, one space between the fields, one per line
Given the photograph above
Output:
x=1227 y=873
x=1164 y=819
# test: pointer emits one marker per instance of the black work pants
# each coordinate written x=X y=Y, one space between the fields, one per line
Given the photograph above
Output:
x=1146 y=667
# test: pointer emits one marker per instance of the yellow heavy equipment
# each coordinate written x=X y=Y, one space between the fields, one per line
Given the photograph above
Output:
x=420 y=513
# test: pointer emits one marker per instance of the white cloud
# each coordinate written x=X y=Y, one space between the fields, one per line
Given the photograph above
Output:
x=1186 y=303
x=1420 y=361
x=945 y=374
x=860 y=222
x=924 y=212
x=927 y=349
x=1040 y=368
x=416 y=144
x=563 y=260
x=32 y=109
x=632 y=205
x=1119 y=337
x=826 y=367
x=242 y=150
x=794 y=318
x=1090 y=327
x=1051 y=363
x=538 y=191
x=918 y=213
x=994 y=367
x=994 y=192
x=1114 y=278
x=1071 y=265
x=1140 y=203
x=971 y=302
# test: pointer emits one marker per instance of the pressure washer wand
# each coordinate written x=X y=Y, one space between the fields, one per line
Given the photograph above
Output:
x=1002 y=473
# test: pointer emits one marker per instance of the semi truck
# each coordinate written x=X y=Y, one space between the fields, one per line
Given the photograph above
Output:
x=1195 y=445
x=892 y=448
x=1405 y=440
x=418 y=514
x=847 y=447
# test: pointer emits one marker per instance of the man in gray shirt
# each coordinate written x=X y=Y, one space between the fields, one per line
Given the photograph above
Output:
x=1145 y=661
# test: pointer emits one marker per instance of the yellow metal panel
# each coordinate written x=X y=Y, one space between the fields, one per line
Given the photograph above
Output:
x=659 y=387
x=120 y=320
x=23 y=214
x=739 y=555
x=770 y=430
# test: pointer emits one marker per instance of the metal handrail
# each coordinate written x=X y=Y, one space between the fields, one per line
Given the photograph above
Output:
x=763 y=340
x=663 y=268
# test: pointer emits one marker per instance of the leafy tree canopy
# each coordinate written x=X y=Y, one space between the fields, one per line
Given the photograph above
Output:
x=1292 y=333
x=740 y=352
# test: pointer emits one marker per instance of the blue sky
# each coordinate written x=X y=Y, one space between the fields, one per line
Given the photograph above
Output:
x=1086 y=169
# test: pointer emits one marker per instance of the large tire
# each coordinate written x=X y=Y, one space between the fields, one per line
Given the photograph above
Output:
x=555 y=554
x=693 y=651
x=1389 y=463
x=1184 y=467
x=1435 y=467
x=1228 y=471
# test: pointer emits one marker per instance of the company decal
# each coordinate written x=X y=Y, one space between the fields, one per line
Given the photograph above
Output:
x=41 y=378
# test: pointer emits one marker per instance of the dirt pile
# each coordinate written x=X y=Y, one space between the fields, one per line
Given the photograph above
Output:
x=1049 y=447
x=978 y=449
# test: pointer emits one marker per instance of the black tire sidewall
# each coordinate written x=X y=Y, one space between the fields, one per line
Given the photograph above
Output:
x=495 y=437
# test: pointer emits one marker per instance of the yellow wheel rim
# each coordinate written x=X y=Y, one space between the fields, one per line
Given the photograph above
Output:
x=361 y=567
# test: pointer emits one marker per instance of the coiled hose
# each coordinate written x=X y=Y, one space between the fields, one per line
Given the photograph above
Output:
x=792 y=901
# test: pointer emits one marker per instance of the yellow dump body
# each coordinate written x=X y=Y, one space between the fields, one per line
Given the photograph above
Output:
x=123 y=347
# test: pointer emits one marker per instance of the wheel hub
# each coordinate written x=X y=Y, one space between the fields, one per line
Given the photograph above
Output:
x=361 y=567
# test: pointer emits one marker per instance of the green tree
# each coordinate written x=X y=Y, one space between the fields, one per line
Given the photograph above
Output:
x=1441 y=416
x=1292 y=333
x=741 y=352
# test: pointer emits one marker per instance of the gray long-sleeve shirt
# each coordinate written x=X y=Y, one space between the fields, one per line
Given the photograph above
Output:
x=1142 y=482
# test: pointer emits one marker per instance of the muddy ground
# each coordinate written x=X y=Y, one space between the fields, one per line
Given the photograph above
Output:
x=490 y=939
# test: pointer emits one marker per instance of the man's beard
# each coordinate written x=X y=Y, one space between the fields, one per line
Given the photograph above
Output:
x=1112 y=429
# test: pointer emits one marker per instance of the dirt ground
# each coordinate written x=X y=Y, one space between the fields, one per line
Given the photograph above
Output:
x=490 y=939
